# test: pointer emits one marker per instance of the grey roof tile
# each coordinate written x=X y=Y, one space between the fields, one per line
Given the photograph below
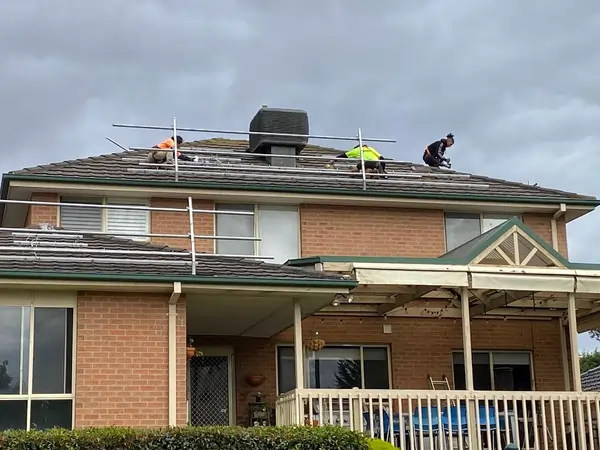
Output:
x=126 y=166
x=171 y=261
x=590 y=380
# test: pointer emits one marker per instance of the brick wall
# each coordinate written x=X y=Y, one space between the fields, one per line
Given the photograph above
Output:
x=541 y=225
x=325 y=229
x=418 y=347
x=178 y=223
x=363 y=231
x=122 y=360
x=41 y=213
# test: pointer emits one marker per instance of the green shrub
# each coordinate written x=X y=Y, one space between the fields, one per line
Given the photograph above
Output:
x=378 y=444
x=190 y=438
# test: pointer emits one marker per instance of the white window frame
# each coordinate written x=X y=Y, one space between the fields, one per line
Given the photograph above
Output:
x=34 y=299
x=104 y=213
x=490 y=354
x=482 y=216
x=306 y=357
x=256 y=231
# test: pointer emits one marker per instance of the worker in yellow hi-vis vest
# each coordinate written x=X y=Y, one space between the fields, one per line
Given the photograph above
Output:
x=373 y=160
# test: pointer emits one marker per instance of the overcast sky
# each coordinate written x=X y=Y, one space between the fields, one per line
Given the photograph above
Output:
x=516 y=81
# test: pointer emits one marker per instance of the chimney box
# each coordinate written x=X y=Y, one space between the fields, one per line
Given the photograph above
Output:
x=277 y=120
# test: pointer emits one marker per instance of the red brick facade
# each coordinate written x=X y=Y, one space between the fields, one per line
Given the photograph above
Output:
x=122 y=340
x=122 y=360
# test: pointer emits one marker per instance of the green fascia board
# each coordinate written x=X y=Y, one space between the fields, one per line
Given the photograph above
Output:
x=584 y=266
x=190 y=279
x=592 y=202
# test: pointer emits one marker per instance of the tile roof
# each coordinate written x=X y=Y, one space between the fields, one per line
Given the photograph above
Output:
x=409 y=179
x=84 y=253
x=590 y=380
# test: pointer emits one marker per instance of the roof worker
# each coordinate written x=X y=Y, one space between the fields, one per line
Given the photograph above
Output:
x=373 y=160
x=160 y=157
x=434 y=152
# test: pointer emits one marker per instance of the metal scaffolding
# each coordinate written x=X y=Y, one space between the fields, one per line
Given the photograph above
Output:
x=52 y=243
x=235 y=163
x=174 y=128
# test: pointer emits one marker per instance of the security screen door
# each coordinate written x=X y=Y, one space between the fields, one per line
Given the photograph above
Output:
x=210 y=399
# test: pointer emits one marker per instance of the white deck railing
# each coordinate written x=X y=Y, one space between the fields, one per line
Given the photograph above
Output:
x=452 y=419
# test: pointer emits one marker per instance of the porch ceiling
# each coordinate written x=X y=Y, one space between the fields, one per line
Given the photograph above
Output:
x=259 y=314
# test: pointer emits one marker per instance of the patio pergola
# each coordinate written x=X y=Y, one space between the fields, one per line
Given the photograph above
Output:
x=508 y=271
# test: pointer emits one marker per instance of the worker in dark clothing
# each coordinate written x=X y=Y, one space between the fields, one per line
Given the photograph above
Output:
x=434 y=155
x=160 y=155
x=374 y=162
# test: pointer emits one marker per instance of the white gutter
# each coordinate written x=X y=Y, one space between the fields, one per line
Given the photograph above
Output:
x=173 y=353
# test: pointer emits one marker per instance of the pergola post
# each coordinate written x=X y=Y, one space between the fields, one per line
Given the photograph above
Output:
x=468 y=359
x=298 y=347
x=573 y=335
x=466 y=330
x=576 y=371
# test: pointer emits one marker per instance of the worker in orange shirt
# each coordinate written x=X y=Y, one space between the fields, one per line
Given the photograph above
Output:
x=160 y=157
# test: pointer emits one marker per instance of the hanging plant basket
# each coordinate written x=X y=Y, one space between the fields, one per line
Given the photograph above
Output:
x=315 y=344
x=191 y=350
x=255 y=380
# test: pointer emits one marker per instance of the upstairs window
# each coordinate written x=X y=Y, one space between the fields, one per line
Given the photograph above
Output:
x=277 y=226
x=113 y=221
x=463 y=227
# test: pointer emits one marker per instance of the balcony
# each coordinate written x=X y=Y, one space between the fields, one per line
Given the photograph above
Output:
x=451 y=419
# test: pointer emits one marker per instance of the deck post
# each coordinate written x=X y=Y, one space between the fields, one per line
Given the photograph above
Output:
x=298 y=347
x=468 y=359
x=573 y=335
x=576 y=371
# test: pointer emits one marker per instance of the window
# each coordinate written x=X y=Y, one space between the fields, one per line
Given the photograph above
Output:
x=277 y=226
x=36 y=367
x=495 y=371
x=336 y=367
x=113 y=221
x=463 y=227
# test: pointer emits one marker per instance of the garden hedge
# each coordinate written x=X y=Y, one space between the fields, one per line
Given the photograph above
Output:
x=189 y=438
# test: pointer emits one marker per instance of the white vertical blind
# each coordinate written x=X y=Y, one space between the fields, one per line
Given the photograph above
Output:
x=80 y=218
x=279 y=230
x=116 y=221
x=127 y=221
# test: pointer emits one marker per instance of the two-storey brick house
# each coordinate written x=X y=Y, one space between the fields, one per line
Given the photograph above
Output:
x=97 y=326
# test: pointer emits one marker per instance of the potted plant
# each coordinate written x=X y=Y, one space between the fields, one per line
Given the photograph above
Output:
x=190 y=350
x=315 y=344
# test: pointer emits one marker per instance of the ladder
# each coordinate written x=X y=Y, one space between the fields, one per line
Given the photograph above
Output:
x=441 y=385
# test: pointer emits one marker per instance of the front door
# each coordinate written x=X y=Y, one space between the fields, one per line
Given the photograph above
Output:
x=209 y=390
